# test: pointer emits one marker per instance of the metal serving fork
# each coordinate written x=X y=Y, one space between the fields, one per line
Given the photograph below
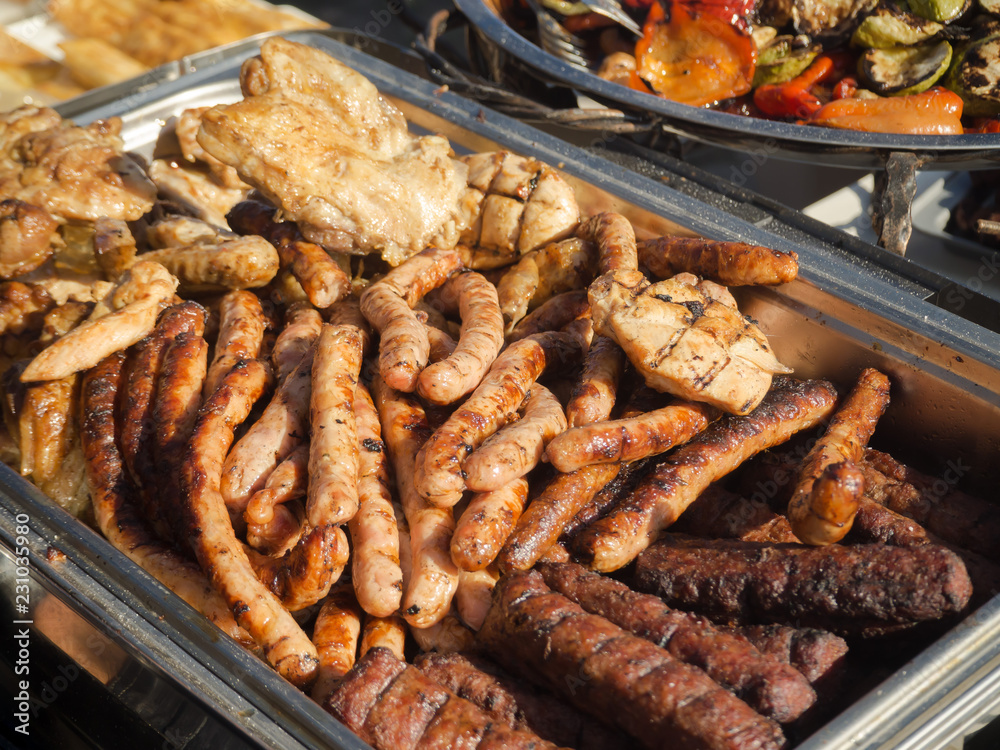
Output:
x=556 y=40
x=612 y=9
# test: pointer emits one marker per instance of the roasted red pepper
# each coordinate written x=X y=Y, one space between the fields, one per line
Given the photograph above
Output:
x=936 y=111
x=795 y=98
x=693 y=58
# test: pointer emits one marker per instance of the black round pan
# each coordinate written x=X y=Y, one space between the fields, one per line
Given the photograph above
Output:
x=844 y=148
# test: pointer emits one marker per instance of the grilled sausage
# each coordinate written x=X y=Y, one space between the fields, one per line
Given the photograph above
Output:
x=821 y=510
x=594 y=395
x=551 y=315
x=447 y=635
x=332 y=496
x=719 y=513
x=387 y=304
x=769 y=687
x=473 y=595
x=615 y=239
x=211 y=533
x=615 y=540
x=378 y=579
x=817 y=654
x=335 y=635
x=838 y=588
x=281 y=533
x=383 y=632
x=438 y=476
x=480 y=341
x=631 y=438
x=516 y=449
x=241 y=331
x=729 y=263
x=486 y=523
x=601 y=668
x=288 y=481
x=114 y=501
x=433 y=578
x=302 y=327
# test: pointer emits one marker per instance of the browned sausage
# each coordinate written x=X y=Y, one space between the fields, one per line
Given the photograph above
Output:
x=383 y=632
x=438 y=476
x=302 y=326
x=114 y=498
x=615 y=540
x=241 y=331
x=480 y=341
x=552 y=314
x=629 y=439
x=486 y=523
x=594 y=396
x=335 y=636
x=822 y=512
x=729 y=263
x=615 y=239
x=211 y=533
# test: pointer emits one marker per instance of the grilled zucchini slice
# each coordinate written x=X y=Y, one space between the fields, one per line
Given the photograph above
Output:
x=905 y=70
x=891 y=26
x=975 y=76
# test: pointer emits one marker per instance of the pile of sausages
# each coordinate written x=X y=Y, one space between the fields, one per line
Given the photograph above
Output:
x=322 y=482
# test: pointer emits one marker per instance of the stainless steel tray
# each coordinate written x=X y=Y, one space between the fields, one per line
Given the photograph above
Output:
x=839 y=317
x=508 y=57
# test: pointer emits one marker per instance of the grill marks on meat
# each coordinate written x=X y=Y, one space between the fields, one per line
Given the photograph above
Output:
x=772 y=689
x=601 y=668
x=211 y=533
x=819 y=655
x=517 y=703
x=114 y=500
x=844 y=589
x=391 y=705
x=660 y=498
x=729 y=263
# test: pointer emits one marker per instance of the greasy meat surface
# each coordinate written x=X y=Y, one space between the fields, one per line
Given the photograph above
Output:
x=683 y=341
x=320 y=142
x=843 y=589
x=71 y=172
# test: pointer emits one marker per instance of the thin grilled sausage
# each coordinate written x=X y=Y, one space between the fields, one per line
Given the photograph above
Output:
x=631 y=438
x=433 y=577
x=552 y=314
x=281 y=533
x=241 y=332
x=447 y=635
x=516 y=449
x=486 y=523
x=438 y=477
x=332 y=496
x=335 y=635
x=474 y=594
x=383 y=632
x=603 y=669
x=615 y=540
x=387 y=305
x=594 y=395
x=114 y=501
x=302 y=327
x=480 y=341
x=281 y=429
x=729 y=263
x=288 y=481
x=821 y=512
x=378 y=579
x=211 y=533
x=615 y=239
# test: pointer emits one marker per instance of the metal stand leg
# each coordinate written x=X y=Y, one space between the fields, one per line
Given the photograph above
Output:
x=892 y=198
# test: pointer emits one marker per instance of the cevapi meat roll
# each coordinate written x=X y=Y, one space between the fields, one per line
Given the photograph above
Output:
x=771 y=688
x=600 y=668
x=391 y=705
x=861 y=589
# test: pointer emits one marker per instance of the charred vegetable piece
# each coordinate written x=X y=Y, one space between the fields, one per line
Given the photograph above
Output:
x=975 y=76
x=891 y=26
x=936 y=111
x=794 y=98
x=831 y=19
x=939 y=10
x=693 y=58
x=905 y=70
x=781 y=61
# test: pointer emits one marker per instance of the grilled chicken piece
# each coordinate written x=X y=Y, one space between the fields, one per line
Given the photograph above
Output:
x=683 y=341
x=71 y=172
x=348 y=172
x=186 y=130
x=195 y=189
x=25 y=237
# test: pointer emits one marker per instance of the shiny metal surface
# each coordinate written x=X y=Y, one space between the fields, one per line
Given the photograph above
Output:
x=838 y=318
x=511 y=56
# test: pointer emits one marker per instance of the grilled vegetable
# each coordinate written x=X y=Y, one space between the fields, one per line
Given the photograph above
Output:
x=905 y=70
x=891 y=26
x=693 y=58
x=939 y=10
x=795 y=98
x=975 y=76
x=936 y=111
x=781 y=60
x=829 y=18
